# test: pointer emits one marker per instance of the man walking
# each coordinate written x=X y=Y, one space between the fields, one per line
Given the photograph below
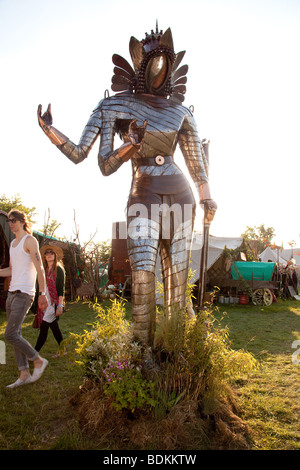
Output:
x=24 y=267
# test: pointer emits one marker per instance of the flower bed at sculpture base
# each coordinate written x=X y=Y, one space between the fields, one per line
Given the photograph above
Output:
x=177 y=396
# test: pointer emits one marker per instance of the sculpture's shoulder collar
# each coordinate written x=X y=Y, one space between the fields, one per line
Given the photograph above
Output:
x=125 y=98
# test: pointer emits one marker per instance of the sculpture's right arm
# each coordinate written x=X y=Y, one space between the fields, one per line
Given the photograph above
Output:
x=109 y=159
x=75 y=153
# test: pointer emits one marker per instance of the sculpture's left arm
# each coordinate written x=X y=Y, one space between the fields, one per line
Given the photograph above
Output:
x=196 y=162
x=109 y=159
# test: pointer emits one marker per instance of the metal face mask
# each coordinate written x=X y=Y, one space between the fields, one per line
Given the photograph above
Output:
x=158 y=56
x=157 y=73
x=155 y=69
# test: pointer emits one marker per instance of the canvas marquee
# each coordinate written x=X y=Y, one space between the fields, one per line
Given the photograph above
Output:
x=216 y=246
x=280 y=256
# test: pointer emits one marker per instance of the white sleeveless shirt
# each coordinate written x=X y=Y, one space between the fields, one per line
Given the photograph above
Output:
x=23 y=275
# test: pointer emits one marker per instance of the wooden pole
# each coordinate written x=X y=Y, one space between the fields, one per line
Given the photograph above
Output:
x=203 y=265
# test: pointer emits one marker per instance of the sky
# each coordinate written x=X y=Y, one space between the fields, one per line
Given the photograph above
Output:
x=243 y=82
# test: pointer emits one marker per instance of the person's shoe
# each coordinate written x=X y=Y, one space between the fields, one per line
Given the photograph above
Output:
x=38 y=372
x=20 y=382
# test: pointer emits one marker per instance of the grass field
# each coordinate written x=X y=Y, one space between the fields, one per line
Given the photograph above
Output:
x=40 y=416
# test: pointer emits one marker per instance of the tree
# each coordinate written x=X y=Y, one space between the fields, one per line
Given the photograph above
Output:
x=6 y=204
x=93 y=256
x=258 y=237
x=50 y=226
x=15 y=202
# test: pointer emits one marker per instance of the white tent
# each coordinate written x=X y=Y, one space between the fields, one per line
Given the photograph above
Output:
x=273 y=255
x=216 y=246
x=281 y=256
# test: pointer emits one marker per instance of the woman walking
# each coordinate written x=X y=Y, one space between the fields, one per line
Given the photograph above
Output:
x=25 y=266
x=55 y=279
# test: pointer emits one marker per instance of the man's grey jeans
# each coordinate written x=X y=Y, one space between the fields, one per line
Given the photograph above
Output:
x=17 y=307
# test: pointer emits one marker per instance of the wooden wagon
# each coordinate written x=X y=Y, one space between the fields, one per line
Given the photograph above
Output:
x=258 y=280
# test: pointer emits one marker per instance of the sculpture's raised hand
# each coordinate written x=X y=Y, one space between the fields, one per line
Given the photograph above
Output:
x=45 y=120
x=136 y=133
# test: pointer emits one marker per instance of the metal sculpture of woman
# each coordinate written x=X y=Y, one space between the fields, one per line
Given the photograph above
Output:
x=148 y=114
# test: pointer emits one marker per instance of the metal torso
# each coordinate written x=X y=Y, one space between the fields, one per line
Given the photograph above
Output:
x=164 y=121
x=168 y=124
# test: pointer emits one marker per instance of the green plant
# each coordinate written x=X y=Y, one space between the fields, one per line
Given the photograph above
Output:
x=126 y=387
x=198 y=361
x=193 y=358
x=110 y=338
x=205 y=363
x=109 y=355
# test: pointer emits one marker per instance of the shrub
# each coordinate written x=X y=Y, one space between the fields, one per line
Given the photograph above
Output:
x=109 y=355
x=193 y=358
x=198 y=363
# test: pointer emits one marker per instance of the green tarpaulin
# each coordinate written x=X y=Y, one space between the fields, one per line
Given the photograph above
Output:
x=252 y=270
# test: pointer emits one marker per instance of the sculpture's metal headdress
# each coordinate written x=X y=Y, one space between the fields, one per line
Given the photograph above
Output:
x=155 y=67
